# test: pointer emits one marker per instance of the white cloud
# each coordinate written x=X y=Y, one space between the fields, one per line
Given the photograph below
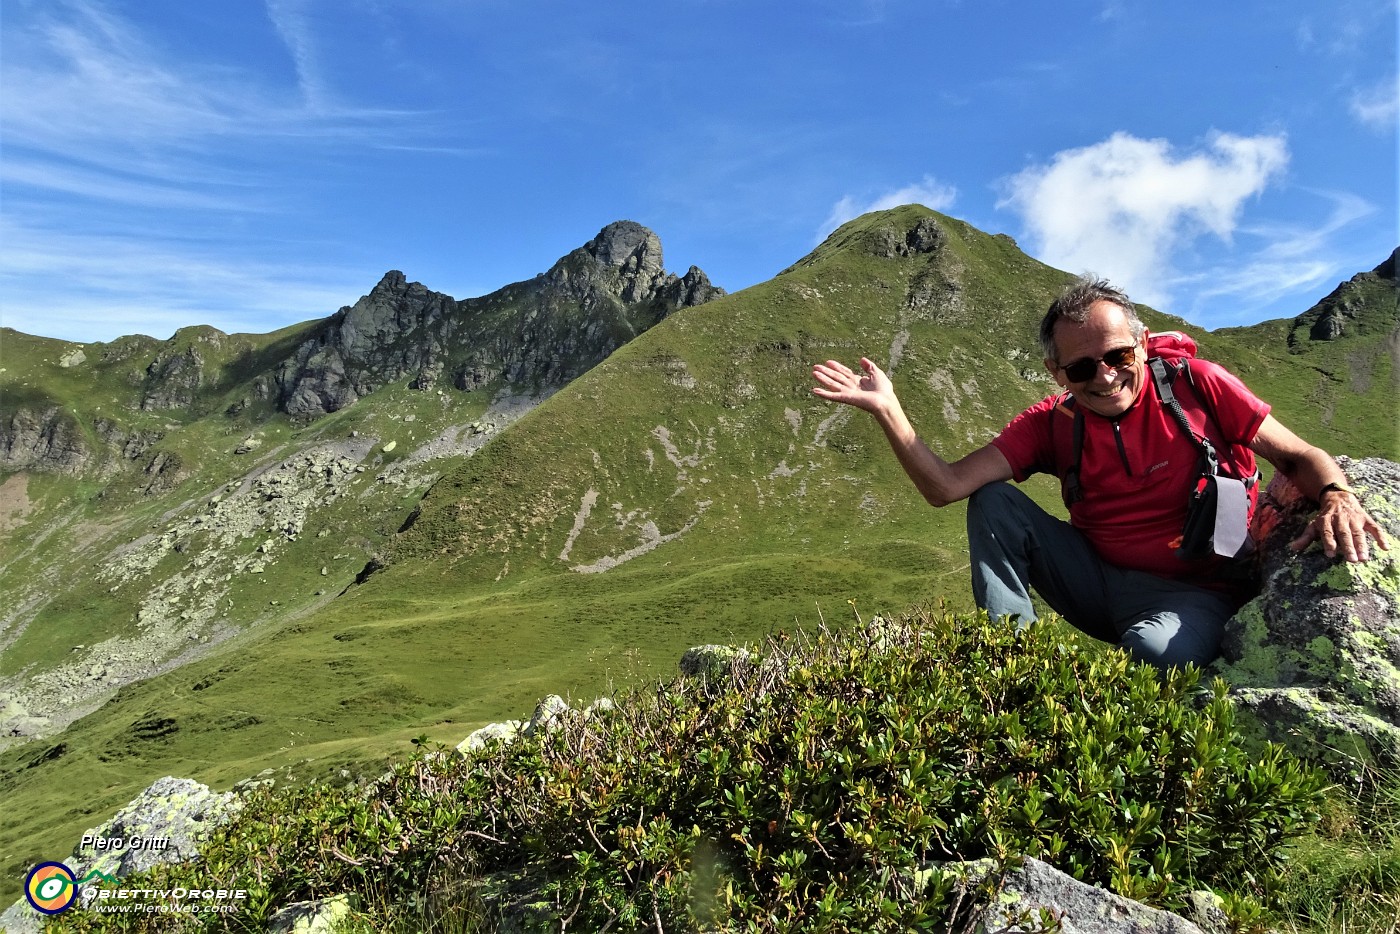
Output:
x=1126 y=207
x=293 y=24
x=83 y=85
x=1378 y=106
x=1294 y=241
x=114 y=188
x=120 y=149
x=928 y=192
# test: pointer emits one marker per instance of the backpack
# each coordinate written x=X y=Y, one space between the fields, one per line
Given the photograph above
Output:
x=1217 y=516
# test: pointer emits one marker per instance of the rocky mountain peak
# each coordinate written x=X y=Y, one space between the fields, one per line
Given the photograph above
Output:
x=624 y=244
x=1368 y=301
x=393 y=283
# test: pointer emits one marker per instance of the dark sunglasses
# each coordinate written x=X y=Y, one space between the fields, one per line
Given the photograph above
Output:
x=1081 y=371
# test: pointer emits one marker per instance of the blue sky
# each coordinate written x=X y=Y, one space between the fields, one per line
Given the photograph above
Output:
x=254 y=164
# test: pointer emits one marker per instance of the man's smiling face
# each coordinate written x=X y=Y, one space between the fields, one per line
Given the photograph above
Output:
x=1110 y=391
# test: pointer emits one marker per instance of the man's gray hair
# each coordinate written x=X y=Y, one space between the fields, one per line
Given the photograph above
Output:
x=1074 y=304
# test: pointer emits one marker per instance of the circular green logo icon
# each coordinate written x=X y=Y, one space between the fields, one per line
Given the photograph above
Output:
x=50 y=888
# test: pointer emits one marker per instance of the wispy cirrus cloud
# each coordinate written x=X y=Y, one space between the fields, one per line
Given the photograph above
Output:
x=1290 y=258
x=140 y=180
x=87 y=86
x=166 y=283
x=76 y=76
x=929 y=192
x=88 y=184
x=1378 y=105
x=293 y=21
x=1126 y=207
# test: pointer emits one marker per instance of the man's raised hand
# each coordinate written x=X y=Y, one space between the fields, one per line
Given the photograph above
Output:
x=871 y=390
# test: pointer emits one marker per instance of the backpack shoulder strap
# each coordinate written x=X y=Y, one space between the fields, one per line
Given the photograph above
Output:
x=1210 y=463
x=1070 y=489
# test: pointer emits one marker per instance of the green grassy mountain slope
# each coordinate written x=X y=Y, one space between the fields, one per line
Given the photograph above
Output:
x=687 y=489
x=155 y=494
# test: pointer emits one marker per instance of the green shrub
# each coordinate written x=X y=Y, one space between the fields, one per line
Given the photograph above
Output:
x=804 y=792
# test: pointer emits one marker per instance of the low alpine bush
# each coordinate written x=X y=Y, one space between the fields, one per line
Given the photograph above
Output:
x=806 y=791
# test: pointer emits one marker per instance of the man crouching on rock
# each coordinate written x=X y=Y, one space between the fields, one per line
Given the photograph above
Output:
x=1127 y=568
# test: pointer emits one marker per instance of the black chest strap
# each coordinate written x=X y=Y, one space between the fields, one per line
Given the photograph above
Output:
x=1210 y=462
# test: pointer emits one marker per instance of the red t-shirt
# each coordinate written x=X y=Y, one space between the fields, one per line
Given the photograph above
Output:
x=1136 y=486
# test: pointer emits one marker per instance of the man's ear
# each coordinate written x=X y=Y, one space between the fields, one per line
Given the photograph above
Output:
x=1055 y=372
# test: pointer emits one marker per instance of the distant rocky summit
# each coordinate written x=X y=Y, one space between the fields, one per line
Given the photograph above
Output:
x=538 y=335
x=1345 y=310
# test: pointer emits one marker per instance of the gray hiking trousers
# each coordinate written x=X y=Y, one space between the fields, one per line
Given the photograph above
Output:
x=1015 y=545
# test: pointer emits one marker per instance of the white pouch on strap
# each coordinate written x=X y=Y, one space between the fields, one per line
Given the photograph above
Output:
x=1217 y=522
x=1231 y=517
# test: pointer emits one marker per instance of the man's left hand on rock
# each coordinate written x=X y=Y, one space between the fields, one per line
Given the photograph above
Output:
x=1343 y=528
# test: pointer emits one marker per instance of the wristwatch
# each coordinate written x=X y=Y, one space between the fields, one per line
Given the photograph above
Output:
x=1335 y=487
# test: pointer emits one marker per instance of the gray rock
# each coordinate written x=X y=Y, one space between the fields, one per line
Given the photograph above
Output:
x=314 y=917
x=546 y=715
x=47 y=439
x=1206 y=910
x=1037 y=898
x=1316 y=656
x=174 y=377
x=600 y=707
x=163 y=824
x=491 y=733
x=19 y=918
x=924 y=237
x=713 y=662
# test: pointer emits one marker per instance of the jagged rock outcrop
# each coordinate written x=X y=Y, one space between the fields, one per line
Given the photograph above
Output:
x=536 y=335
x=50 y=439
x=924 y=237
x=1316 y=656
x=46 y=439
x=173 y=379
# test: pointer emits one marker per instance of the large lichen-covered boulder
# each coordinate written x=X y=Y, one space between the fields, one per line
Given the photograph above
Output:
x=1316 y=656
